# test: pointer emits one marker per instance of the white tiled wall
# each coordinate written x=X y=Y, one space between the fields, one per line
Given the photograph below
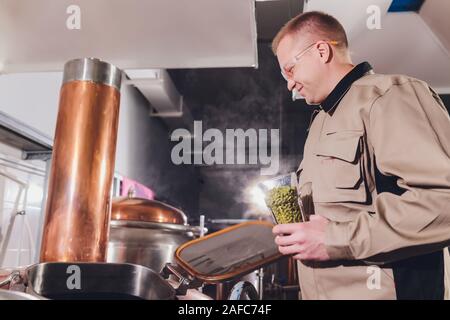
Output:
x=21 y=189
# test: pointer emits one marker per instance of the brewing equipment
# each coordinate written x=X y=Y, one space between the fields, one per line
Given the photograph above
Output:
x=147 y=232
x=62 y=280
x=78 y=206
x=216 y=258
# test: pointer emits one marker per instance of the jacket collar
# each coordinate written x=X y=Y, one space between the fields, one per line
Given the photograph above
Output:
x=344 y=85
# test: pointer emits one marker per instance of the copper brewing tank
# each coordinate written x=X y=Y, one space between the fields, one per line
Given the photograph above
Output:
x=147 y=232
x=79 y=204
x=137 y=209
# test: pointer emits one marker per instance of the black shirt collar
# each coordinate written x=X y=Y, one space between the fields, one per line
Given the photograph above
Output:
x=344 y=85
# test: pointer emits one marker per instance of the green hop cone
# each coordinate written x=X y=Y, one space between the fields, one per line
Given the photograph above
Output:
x=282 y=201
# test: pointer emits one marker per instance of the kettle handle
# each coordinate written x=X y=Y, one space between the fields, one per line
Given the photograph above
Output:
x=185 y=282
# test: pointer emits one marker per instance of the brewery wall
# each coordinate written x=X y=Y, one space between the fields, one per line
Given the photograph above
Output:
x=22 y=185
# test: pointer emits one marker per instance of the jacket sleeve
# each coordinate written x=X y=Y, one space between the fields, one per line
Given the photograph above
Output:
x=409 y=129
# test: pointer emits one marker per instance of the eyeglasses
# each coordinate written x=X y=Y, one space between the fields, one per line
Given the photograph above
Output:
x=288 y=70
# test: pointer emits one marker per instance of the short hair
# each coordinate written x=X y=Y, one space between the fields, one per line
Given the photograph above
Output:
x=313 y=22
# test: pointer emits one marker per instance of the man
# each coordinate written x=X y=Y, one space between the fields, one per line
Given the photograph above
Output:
x=377 y=165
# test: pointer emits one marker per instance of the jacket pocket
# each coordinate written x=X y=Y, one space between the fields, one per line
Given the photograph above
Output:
x=339 y=165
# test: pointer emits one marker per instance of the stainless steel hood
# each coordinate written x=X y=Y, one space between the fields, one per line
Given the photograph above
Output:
x=41 y=35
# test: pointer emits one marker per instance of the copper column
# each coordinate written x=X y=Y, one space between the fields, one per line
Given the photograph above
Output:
x=79 y=204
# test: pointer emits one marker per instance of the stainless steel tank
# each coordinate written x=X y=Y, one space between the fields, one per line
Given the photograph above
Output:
x=147 y=232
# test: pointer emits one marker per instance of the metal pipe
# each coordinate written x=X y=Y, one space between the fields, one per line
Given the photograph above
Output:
x=78 y=208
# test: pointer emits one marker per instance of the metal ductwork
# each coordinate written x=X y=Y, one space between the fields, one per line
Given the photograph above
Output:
x=158 y=88
x=164 y=99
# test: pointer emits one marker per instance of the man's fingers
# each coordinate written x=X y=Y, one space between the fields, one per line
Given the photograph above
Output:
x=284 y=240
x=286 y=228
x=288 y=250
x=289 y=240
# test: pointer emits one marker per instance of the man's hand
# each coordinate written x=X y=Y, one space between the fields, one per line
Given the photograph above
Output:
x=305 y=241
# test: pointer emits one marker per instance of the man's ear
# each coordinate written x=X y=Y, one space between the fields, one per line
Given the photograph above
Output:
x=324 y=51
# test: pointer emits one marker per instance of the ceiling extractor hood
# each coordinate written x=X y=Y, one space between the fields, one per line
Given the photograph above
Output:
x=41 y=35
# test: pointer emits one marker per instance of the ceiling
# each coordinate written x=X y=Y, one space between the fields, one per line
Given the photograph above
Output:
x=436 y=14
x=405 y=44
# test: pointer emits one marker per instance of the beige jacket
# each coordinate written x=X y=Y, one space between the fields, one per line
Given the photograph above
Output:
x=377 y=164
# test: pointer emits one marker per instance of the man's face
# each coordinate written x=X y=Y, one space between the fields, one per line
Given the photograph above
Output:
x=305 y=72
